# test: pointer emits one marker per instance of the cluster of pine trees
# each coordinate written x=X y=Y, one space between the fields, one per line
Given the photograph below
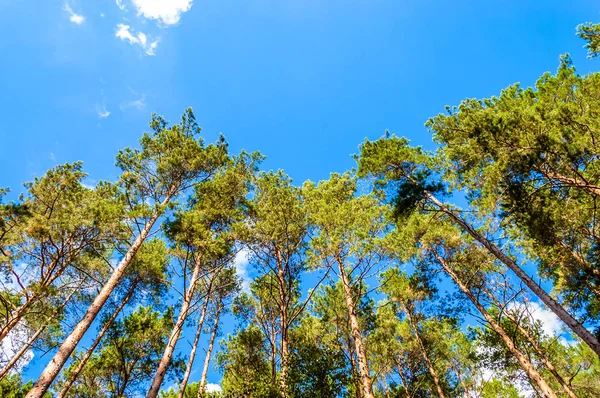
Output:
x=373 y=283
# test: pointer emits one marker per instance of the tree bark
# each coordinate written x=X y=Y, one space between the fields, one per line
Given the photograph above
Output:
x=283 y=320
x=202 y=383
x=363 y=366
x=403 y=377
x=552 y=304
x=460 y=379
x=355 y=372
x=430 y=367
x=68 y=346
x=533 y=375
x=88 y=354
x=188 y=368
x=165 y=361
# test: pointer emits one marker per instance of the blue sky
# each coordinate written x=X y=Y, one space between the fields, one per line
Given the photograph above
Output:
x=302 y=81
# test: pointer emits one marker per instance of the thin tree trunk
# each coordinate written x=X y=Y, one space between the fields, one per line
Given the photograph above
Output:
x=430 y=367
x=165 y=361
x=403 y=377
x=188 y=368
x=283 y=320
x=68 y=346
x=88 y=354
x=363 y=366
x=34 y=337
x=536 y=347
x=533 y=375
x=554 y=306
x=460 y=379
x=355 y=372
x=202 y=384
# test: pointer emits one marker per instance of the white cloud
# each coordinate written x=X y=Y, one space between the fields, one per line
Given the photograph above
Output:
x=73 y=17
x=138 y=104
x=120 y=4
x=167 y=11
x=210 y=387
x=102 y=15
x=102 y=112
x=241 y=262
x=550 y=323
x=124 y=33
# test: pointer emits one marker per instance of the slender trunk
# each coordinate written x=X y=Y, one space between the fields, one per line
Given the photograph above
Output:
x=34 y=337
x=283 y=321
x=403 y=377
x=165 y=361
x=101 y=333
x=355 y=372
x=430 y=367
x=533 y=375
x=68 y=346
x=188 y=368
x=121 y=391
x=202 y=384
x=460 y=379
x=554 y=306
x=536 y=348
x=363 y=366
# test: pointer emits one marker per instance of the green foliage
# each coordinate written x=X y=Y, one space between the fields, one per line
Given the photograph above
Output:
x=12 y=386
x=127 y=356
x=246 y=369
x=590 y=32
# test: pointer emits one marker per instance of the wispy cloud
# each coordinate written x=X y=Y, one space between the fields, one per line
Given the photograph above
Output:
x=101 y=111
x=167 y=12
x=73 y=17
x=120 y=4
x=125 y=33
x=139 y=103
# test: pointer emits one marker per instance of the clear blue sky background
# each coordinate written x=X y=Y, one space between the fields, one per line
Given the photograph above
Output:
x=303 y=81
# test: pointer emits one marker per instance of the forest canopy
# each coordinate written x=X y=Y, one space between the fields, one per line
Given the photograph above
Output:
x=418 y=273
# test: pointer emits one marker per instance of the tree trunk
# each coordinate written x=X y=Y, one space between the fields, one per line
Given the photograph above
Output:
x=188 y=368
x=554 y=306
x=430 y=367
x=101 y=333
x=165 y=361
x=536 y=347
x=533 y=375
x=202 y=384
x=34 y=337
x=355 y=372
x=361 y=357
x=283 y=320
x=68 y=346
x=460 y=379
x=403 y=377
